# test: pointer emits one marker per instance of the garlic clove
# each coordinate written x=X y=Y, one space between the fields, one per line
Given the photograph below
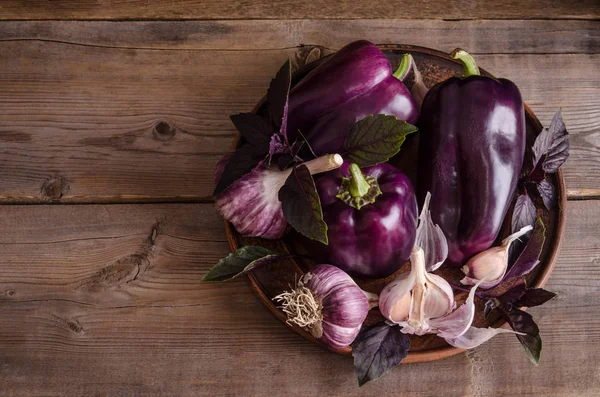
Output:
x=492 y=263
x=440 y=297
x=395 y=298
x=458 y=322
x=476 y=336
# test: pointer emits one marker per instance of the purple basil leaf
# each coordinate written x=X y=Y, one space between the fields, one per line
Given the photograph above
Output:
x=548 y=193
x=375 y=139
x=282 y=160
x=521 y=321
x=513 y=294
x=552 y=142
x=524 y=213
x=301 y=204
x=302 y=138
x=277 y=98
x=253 y=128
x=534 y=297
x=240 y=262
x=246 y=158
x=529 y=258
x=377 y=349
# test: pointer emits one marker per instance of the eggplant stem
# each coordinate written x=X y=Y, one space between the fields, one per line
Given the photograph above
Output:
x=471 y=68
x=404 y=67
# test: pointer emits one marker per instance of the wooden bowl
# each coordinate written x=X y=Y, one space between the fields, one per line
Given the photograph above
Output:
x=267 y=282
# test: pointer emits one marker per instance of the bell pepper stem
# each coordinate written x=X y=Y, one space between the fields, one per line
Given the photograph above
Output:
x=404 y=67
x=471 y=68
x=358 y=184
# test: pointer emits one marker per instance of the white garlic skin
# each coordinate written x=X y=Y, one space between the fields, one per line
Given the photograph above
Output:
x=414 y=298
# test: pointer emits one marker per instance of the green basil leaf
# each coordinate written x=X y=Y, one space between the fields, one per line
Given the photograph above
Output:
x=301 y=204
x=377 y=349
x=375 y=139
x=240 y=262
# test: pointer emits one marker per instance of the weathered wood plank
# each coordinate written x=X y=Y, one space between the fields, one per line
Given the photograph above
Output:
x=83 y=121
x=106 y=299
x=289 y=9
x=478 y=36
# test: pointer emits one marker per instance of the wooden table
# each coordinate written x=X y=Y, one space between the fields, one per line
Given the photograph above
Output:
x=113 y=115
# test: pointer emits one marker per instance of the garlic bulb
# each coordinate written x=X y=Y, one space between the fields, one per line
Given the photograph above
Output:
x=251 y=203
x=491 y=263
x=413 y=299
x=329 y=304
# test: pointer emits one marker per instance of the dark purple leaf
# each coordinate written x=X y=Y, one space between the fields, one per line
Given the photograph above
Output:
x=524 y=213
x=529 y=258
x=548 y=193
x=534 y=297
x=253 y=128
x=554 y=143
x=301 y=204
x=246 y=158
x=513 y=294
x=240 y=262
x=377 y=349
x=375 y=139
x=302 y=138
x=521 y=321
x=277 y=98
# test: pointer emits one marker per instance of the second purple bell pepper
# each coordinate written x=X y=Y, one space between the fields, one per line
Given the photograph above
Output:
x=355 y=82
x=472 y=142
x=371 y=218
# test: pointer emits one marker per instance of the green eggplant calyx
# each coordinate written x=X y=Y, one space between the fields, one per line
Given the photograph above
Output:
x=471 y=68
x=358 y=190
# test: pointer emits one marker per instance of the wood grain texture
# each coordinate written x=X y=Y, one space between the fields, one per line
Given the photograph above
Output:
x=88 y=116
x=478 y=36
x=106 y=300
x=289 y=9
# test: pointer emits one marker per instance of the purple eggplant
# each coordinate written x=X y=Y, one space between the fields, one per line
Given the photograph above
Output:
x=371 y=218
x=472 y=142
x=353 y=83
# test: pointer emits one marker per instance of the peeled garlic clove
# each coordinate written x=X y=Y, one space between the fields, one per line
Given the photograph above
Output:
x=476 y=336
x=328 y=304
x=491 y=263
x=252 y=204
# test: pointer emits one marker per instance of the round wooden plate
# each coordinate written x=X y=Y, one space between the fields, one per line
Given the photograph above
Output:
x=267 y=282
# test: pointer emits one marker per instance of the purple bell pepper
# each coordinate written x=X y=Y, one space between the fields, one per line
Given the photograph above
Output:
x=353 y=83
x=472 y=142
x=371 y=218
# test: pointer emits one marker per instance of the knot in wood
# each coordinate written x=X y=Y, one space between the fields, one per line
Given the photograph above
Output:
x=163 y=131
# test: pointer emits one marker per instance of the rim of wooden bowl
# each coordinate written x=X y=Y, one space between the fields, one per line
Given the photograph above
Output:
x=434 y=353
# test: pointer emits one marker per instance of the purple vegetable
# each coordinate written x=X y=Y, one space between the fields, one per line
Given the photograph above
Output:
x=472 y=142
x=355 y=82
x=327 y=303
x=372 y=218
